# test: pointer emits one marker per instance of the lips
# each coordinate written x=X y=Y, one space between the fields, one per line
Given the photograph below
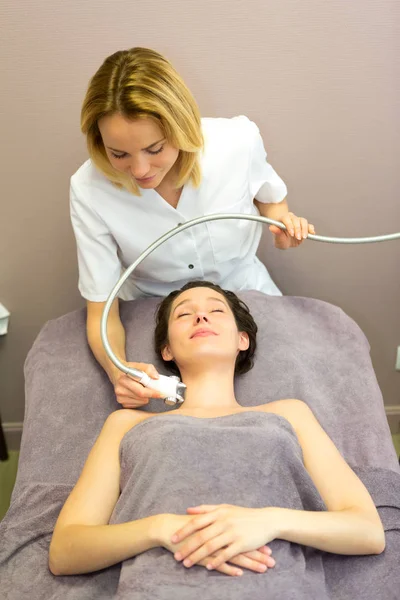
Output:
x=202 y=333
x=146 y=178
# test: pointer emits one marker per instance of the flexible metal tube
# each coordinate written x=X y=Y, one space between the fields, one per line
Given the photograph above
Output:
x=140 y=375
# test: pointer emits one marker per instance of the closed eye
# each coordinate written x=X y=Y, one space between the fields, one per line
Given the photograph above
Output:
x=155 y=151
x=187 y=314
x=119 y=155
x=124 y=154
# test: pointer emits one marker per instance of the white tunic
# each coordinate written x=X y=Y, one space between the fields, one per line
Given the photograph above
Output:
x=112 y=226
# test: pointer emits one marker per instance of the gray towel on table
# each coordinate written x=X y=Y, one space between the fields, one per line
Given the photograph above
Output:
x=249 y=459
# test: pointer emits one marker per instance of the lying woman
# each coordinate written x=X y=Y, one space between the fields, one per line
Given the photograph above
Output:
x=211 y=483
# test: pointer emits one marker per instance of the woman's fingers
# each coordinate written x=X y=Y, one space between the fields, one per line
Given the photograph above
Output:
x=261 y=557
x=297 y=227
x=252 y=561
x=202 y=508
x=289 y=221
x=135 y=389
x=149 y=369
x=194 y=525
x=266 y=559
x=247 y=563
x=204 y=540
x=277 y=230
x=224 y=568
x=226 y=554
x=304 y=228
x=127 y=398
x=208 y=548
x=131 y=393
x=232 y=569
x=132 y=403
x=265 y=550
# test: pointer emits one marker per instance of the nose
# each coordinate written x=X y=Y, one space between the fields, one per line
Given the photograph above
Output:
x=139 y=168
x=201 y=317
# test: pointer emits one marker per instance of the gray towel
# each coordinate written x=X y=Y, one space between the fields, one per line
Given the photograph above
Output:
x=248 y=459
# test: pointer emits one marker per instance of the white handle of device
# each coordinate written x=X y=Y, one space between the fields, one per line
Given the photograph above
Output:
x=171 y=387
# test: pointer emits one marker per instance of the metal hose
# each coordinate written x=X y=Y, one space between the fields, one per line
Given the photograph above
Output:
x=140 y=375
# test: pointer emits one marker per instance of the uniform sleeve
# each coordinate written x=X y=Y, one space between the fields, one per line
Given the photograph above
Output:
x=98 y=262
x=265 y=184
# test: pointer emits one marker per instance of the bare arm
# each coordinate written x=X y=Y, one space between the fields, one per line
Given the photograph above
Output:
x=85 y=548
x=129 y=393
x=115 y=331
x=297 y=228
x=82 y=540
x=352 y=524
x=273 y=210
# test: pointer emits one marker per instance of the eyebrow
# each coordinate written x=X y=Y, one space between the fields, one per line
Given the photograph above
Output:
x=190 y=300
x=148 y=147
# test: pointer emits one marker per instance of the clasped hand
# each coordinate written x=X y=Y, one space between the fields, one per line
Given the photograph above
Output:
x=297 y=230
x=221 y=533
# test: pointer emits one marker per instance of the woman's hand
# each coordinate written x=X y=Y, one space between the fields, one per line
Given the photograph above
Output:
x=131 y=393
x=222 y=532
x=257 y=560
x=297 y=229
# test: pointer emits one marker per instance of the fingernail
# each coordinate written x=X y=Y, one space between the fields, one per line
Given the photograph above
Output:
x=187 y=562
x=174 y=538
x=209 y=566
x=239 y=572
x=178 y=556
x=291 y=232
x=298 y=236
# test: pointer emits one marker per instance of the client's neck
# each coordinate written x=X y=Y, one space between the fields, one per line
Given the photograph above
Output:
x=209 y=391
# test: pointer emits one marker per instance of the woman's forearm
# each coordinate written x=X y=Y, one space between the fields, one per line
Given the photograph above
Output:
x=77 y=549
x=115 y=333
x=273 y=211
x=341 y=532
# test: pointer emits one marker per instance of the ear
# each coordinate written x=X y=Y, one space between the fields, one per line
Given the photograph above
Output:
x=166 y=353
x=244 y=341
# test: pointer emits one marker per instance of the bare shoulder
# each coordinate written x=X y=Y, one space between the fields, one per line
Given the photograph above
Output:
x=121 y=421
x=296 y=411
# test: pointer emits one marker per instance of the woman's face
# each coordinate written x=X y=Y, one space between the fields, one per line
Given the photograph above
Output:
x=202 y=327
x=137 y=148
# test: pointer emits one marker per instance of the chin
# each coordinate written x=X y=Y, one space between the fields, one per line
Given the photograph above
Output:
x=207 y=358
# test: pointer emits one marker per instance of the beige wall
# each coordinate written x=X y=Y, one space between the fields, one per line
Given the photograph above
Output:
x=322 y=81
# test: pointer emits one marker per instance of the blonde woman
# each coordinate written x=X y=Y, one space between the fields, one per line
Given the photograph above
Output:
x=154 y=164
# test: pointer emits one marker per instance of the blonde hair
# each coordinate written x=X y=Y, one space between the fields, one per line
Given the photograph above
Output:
x=141 y=83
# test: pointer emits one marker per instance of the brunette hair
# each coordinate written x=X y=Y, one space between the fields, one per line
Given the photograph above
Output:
x=241 y=312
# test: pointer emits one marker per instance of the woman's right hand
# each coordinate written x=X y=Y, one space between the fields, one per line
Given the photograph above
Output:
x=258 y=560
x=131 y=393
